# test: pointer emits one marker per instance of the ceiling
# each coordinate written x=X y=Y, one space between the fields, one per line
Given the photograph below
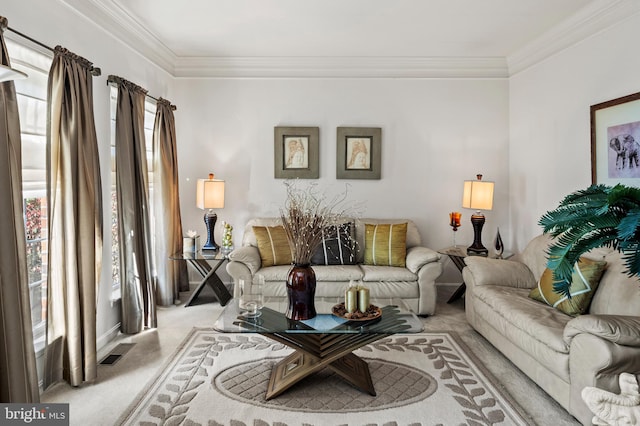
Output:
x=201 y=38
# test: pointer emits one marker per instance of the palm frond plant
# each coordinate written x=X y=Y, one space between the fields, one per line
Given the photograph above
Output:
x=598 y=216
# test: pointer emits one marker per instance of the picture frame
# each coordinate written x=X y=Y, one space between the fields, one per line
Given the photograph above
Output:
x=359 y=153
x=615 y=141
x=296 y=152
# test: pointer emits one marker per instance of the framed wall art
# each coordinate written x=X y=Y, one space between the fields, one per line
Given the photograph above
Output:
x=615 y=141
x=296 y=152
x=359 y=153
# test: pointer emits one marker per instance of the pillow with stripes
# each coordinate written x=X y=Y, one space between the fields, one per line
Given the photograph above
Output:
x=385 y=244
x=273 y=245
x=336 y=247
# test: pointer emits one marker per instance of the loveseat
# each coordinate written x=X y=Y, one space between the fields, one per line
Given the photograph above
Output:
x=414 y=282
x=561 y=353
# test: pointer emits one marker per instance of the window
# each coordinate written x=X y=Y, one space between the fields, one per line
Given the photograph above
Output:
x=32 y=103
x=149 y=118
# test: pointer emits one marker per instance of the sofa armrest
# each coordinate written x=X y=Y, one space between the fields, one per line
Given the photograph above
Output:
x=619 y=329
x=597 y=362
x=249 y=256
x=417 y=257
x=485 y=271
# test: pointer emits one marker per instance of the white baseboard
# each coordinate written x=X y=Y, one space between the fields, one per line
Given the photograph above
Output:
x=103 y=341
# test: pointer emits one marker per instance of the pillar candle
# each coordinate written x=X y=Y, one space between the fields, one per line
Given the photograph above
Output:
x=351 y=299
x=363 y=299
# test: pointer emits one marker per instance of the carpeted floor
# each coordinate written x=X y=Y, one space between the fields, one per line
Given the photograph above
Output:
x=420 y=379
x=104 y=401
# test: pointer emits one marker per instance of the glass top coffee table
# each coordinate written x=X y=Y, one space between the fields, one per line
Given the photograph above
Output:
x=324 y=341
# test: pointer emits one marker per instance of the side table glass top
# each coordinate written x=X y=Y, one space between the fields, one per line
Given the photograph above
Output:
x=200 y=255
x=396 y=318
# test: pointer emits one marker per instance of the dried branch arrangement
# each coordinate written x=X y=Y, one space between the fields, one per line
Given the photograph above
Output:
x=306 y=213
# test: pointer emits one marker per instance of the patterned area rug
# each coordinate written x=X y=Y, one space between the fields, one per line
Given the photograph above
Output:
x=420 y=379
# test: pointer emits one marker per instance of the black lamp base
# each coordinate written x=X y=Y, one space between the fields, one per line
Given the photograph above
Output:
x=210 y=218
x=477 y=249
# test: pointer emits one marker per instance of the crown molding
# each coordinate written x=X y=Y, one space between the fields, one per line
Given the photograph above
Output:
x=117 y=23
x=340 y=67
x=107 y=15
x=590 y=20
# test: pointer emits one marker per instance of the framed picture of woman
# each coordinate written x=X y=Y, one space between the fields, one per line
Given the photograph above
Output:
x=359 y=153
x=296 y=152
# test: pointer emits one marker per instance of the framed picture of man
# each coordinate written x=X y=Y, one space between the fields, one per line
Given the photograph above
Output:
x=296 y=152
x=359 y=152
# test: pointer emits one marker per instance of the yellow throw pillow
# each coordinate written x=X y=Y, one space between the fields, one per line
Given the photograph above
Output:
x=585 y=280
x=273 y=245
x=385 y=244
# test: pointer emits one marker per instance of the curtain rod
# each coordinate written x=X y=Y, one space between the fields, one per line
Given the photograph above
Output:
x=95 y=71
x=114 y=79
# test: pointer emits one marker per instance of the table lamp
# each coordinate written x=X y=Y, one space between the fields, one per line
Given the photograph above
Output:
x=477 y=195
x=209 y=196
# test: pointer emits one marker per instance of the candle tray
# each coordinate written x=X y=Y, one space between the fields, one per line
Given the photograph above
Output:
x=372 y=313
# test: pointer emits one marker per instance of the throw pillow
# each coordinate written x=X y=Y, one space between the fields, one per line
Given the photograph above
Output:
x=273 y=245
x=585 y=280
x=385 y=244
x=336 y=247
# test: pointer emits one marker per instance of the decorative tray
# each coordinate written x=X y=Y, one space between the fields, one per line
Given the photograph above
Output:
x=372 y=313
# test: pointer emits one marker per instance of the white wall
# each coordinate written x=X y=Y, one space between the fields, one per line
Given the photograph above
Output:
x=52 y=23
x=435 y=134
x=550 y=147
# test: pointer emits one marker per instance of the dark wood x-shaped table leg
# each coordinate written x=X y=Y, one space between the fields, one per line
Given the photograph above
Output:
x=315 y=351
x=210 y=278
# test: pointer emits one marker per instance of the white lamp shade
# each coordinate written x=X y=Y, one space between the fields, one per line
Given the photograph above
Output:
x=477 y=195
x=210 y=194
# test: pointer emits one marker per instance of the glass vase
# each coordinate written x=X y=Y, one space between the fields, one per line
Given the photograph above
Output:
x=301 y=291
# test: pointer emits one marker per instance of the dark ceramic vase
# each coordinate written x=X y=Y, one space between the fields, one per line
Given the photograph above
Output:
x=301 y=290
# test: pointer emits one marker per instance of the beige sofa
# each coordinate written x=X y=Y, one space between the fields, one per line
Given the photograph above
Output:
x=415 y=283
x=562 y=354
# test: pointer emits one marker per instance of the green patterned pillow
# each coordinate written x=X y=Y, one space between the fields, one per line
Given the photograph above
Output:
x=385 y=244
x=585 y=280
x=273 y=245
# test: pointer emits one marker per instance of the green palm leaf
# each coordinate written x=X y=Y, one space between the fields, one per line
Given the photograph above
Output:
x=597 y=216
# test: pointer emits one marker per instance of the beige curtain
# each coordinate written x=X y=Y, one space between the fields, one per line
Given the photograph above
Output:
x=74 y=192
x=171 y=276
x=137 y=285
x=18 y=376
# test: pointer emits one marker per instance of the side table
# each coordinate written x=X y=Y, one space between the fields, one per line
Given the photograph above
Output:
x=457 y=255
x=206 y=264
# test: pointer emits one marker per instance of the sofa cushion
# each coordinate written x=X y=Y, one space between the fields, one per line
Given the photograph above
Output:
x=324 y=273
x=618 y=293
x=387 y=273
x=273 y=245
x=585 y=279
x=534 y=328
x=385 y=244
x=336 y=247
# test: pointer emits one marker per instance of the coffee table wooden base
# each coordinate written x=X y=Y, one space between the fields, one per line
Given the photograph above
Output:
x=313 y=352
